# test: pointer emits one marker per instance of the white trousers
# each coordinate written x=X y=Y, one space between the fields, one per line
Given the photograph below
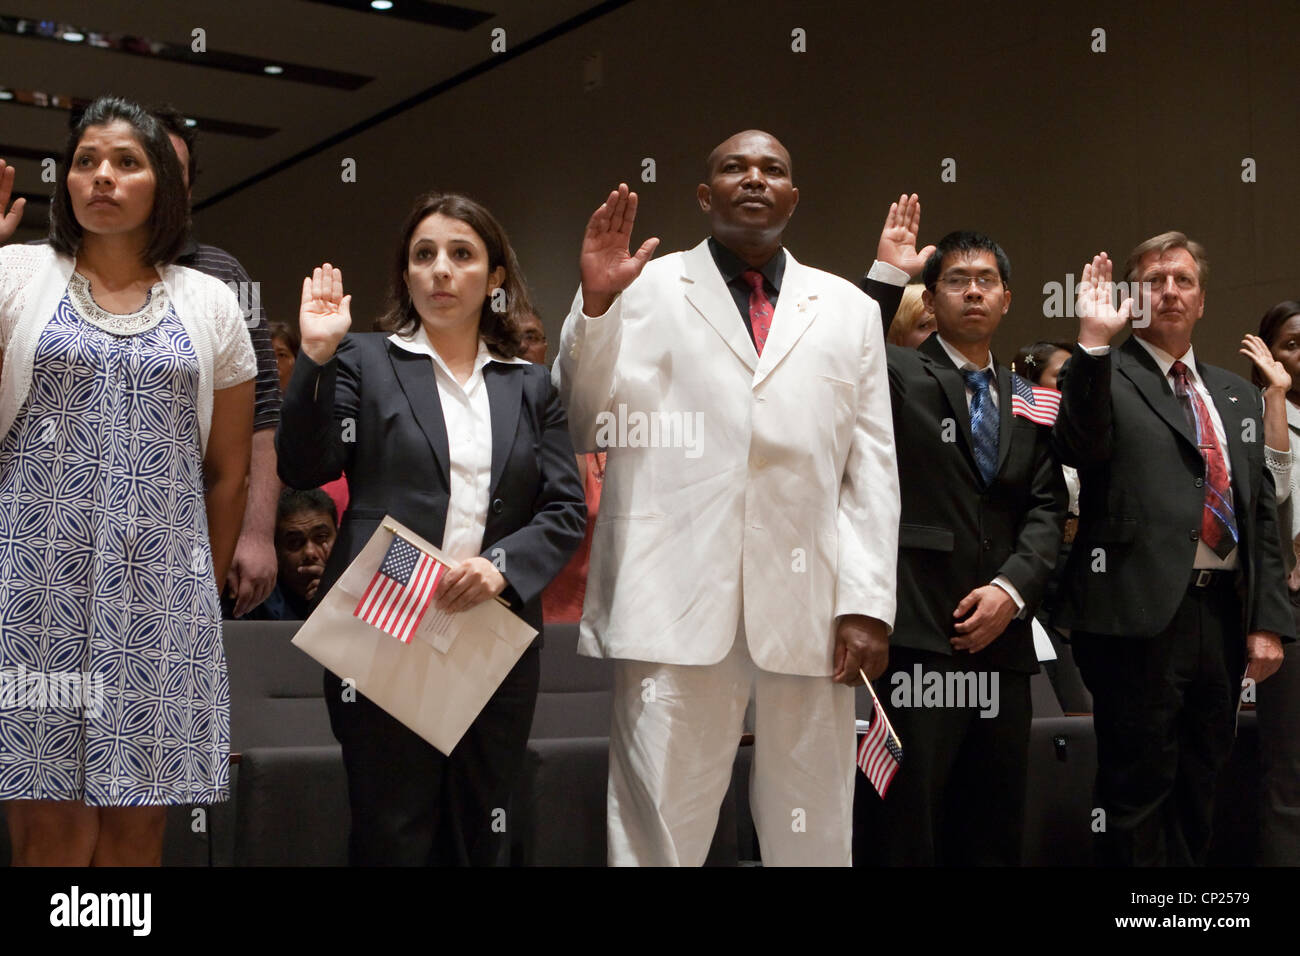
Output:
x=672 y=744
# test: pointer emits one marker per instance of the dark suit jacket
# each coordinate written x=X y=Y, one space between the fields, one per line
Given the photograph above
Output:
x=955 y=534
x=1142 y=481
x=887 y=296
x=398 y=463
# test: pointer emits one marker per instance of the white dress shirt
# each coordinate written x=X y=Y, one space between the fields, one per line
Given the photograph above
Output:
x=467 y=415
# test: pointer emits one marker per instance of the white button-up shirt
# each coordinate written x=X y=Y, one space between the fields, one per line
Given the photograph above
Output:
x=467 y=415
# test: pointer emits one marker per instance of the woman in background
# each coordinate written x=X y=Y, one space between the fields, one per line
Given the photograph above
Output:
x=1275 y=353
x=913 y=322
x=126 y=416
x=466 y=444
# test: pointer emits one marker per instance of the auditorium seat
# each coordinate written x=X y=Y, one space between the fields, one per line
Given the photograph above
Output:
x=291 y=807
x=275 y=689
x=280 y=729
x=1059 y=801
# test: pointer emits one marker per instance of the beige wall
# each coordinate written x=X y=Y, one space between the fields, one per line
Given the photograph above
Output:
x=1060 y=151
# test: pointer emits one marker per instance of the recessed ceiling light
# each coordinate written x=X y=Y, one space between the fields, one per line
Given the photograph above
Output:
x=73 y=36
x=6 y=94
x=381 y=4
x=273 y=69
x=191 y=122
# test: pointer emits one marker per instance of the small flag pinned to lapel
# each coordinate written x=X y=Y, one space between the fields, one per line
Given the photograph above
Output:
x=1034 y=402
x=1233 y=399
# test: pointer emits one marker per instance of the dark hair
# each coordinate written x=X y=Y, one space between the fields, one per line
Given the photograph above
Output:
x=1270 y=326
x=283 y=330
x=173 y=121
x=501 y=331
x=294 y=502
x=1031 y=361
x=964 y=242
x=169 y=220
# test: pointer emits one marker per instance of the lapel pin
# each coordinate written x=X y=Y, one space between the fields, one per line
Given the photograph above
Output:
x=1233 y=399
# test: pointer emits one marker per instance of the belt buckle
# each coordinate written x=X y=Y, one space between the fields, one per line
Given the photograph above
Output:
x=1203 y=578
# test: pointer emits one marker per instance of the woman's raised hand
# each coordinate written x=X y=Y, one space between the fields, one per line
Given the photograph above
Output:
x=1273 y=372
x=10 y=216
x=325 y=314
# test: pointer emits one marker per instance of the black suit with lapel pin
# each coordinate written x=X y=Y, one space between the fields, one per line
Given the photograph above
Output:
x=373 y=412
x=1161 y=645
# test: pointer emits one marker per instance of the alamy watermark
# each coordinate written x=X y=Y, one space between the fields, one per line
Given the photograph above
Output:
x=655 y=429
x=922 y=688
x=21 y=689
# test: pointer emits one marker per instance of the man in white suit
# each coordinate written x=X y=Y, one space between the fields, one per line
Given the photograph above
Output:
x=748 y=523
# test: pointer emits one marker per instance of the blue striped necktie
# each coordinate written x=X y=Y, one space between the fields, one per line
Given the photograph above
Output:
x=983 y=423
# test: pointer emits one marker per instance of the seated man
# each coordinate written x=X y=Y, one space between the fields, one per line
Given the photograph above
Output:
x=306 y=525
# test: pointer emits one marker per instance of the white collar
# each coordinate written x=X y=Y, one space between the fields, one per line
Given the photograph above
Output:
x=1165 y=360
x=418 y=342
x=962 y=362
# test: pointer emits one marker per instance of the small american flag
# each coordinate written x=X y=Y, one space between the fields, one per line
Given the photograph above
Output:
x=401 y=590
x=1034 y=402
x=880 y=753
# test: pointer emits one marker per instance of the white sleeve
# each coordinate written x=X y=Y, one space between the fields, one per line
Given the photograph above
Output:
x=869 y=506
x=233 y=360
x=586 y=370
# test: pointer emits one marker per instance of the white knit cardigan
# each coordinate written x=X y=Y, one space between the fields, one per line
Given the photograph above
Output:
x=33 y=280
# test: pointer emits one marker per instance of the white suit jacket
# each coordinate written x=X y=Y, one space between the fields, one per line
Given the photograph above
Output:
x=733 y=482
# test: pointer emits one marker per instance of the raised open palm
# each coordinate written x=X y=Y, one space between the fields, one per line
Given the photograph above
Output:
x=606 y=264
x=10 y=216
x=897 y=244
x=1099 y=320
x=324 y=316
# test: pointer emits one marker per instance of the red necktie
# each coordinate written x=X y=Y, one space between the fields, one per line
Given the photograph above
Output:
x=1218 y=524
x=760 y=308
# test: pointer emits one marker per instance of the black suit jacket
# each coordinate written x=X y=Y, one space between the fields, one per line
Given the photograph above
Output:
x=957 y=535
x=386 y=398
x=1142 y=494
x=887 y=296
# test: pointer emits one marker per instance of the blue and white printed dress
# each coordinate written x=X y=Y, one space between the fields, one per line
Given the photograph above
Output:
x=106 y=578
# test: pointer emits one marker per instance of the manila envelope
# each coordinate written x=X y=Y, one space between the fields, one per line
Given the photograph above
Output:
x=435 y=691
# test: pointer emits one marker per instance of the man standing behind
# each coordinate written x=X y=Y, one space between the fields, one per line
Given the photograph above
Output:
x=252 y=569
x=748 y=528
x=1175 y=584
x=983 y=511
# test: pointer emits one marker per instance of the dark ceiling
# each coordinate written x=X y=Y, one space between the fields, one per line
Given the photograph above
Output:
x=275 y=81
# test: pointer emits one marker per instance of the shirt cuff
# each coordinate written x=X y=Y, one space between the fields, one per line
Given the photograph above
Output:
x=890 y=275
x=1277 y=461
x=1002 y=582
x=1097 y=351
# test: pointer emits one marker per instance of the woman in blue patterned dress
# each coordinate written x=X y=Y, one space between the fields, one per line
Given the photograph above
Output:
x=125 y=392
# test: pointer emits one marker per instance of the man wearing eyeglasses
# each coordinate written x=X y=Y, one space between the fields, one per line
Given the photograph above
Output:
x=983 y=511
x=534 y=339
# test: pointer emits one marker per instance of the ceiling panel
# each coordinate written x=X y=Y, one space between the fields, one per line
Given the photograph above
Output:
x=405 y=59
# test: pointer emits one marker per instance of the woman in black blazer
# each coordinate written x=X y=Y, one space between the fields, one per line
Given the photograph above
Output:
x=441 y=426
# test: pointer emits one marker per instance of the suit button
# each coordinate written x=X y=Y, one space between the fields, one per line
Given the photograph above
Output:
x=988 y=545
x=498 y=506
x=1194 y=535
x=1199 y=482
